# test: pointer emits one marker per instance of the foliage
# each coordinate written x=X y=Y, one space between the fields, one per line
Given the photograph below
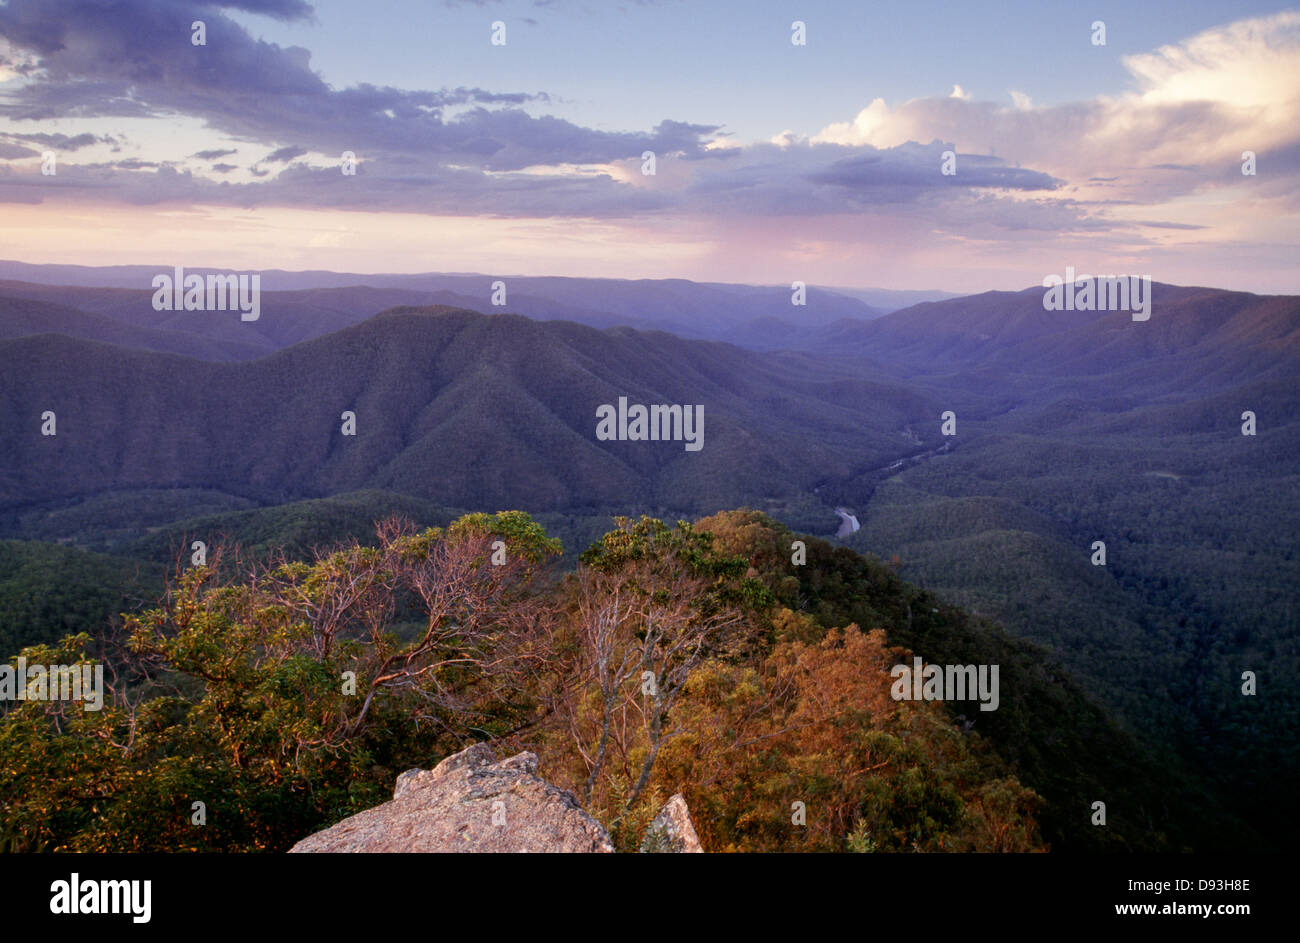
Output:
x=237 y=695
x=286 y=695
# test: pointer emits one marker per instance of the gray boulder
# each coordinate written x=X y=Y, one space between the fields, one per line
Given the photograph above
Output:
x=671 y=830
x=470 y=802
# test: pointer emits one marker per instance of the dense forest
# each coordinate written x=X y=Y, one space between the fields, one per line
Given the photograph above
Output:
x=710 y=658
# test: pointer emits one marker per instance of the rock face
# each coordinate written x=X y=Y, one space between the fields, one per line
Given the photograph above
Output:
x=470 y=802
x=671 y=830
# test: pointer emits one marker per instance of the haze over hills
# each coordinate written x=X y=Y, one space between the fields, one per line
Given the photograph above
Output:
x=881 y=300
x=309 y=304
x=886 y=300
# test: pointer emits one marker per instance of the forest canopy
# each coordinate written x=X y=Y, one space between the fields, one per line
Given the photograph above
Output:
x=271 y=698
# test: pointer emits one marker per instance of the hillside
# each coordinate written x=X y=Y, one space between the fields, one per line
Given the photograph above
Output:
x=1057 y=737
x=48 y=591
x=23 y=317
x=946 y=777
x=1078 y=426
x=450 y=406
x=1202 y=340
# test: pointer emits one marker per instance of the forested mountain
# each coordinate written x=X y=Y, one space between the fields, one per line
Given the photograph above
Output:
x=24 y=317
x=1196 y=340
x=1076 y=427
x=1070 y=428
x=461 y=408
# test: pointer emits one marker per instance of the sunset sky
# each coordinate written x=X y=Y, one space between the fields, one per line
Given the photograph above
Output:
x=775 y=162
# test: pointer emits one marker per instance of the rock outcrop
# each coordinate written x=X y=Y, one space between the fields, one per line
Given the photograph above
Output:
x=470 y=802
x=671 y=830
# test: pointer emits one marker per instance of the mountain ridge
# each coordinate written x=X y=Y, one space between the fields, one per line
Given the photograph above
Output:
x=418 y=379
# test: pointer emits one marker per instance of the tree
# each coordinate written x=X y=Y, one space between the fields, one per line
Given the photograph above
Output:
x=649 y=604
x=279 y=694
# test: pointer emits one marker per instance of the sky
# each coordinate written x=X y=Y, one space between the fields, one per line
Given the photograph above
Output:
x=821 y=162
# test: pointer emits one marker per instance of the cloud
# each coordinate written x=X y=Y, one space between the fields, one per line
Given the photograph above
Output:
x=62 y=142
x=1195 y=104
x=11 y=151
x=1159 y=225
x=1071 y=168
x=283 y=155
x=277 y=9
x=911 y=166
x=463 y=149
x=135 y=59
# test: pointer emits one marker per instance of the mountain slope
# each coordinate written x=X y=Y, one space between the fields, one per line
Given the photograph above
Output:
x=461 y=408
x=1198 y=339
x=24 y=317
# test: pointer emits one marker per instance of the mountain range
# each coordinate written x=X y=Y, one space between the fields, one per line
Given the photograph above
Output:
x=1071 y=427
x=303 y=305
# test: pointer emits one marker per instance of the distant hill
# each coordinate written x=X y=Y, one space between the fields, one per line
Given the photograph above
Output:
x=464 y=409
x=886 y=300
x=297 y=306
x=24 y=317
x=126 y=316
x=1203 y=338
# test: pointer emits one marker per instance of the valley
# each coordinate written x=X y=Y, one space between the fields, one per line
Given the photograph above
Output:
x=458 y=411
